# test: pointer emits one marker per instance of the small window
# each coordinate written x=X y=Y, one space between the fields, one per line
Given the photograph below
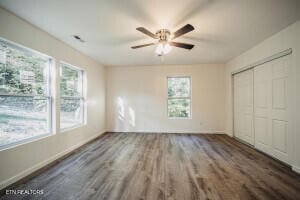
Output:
x=179 y=97
x=25 y=95
x=72 y=99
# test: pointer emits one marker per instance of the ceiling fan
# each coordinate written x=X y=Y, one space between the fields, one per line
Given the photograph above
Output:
x=164 y=39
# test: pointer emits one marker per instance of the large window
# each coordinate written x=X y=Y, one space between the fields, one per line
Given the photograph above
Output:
x=72 y=98
x=179 y=97
x=25 y=98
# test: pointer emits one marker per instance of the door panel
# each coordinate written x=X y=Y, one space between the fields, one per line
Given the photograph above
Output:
x=262 y=102
x=261 y=131
x=280 y=136
x=280 y=113
x=272 y=117
x=279 y=93
x=248 y=131
x=243 y=106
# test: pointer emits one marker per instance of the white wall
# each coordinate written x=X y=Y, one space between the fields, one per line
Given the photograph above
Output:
x=285 y=39
x=142 y=90
x=22 y=160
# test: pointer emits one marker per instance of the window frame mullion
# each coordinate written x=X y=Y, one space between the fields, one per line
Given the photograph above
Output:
x=24 y=95
x=71 y=97
x=179 y=97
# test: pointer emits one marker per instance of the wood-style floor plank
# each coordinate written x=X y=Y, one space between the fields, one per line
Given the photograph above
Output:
x=164 y=166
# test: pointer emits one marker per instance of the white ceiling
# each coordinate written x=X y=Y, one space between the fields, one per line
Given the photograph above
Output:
x=223 y=28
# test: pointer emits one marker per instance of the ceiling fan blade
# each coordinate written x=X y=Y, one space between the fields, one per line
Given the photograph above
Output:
x=187 y=28
x=145 y=31
x=143 y=45
x=182 y=45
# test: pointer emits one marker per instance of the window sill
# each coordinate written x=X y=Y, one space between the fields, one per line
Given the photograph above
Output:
x=72 y=128
x=25 y=141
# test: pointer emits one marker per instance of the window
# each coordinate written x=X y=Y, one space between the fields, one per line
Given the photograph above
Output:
x=25 y=95
x=72 y=99
x=179 y=97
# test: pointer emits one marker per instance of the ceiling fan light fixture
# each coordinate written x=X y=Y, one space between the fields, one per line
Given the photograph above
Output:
x=159 y=49
x=167 y=48
x=163 y=49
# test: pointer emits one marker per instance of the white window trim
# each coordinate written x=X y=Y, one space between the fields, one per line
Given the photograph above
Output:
x=190 y=98
x=51 y=106
x=83 y=97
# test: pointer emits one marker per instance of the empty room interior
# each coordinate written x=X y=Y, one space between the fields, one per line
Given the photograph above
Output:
x=151 y=99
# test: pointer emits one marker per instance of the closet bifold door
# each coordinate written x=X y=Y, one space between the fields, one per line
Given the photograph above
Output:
x=243 y=106
x=272 y=114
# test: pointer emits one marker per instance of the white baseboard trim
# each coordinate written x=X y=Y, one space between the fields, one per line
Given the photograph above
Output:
x=38 y=166
x=175 y=132
x=296 y=169
x=229 y=134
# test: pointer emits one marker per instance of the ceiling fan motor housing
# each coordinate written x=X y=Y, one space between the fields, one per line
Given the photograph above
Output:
x=163 y=35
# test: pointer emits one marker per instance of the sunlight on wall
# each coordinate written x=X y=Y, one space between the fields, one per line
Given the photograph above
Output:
x=131 y=117
x=125 y=115
x=120 y=108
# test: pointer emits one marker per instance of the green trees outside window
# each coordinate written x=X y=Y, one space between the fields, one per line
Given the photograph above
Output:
x=72 y=99
x=25 y=100
x=179 y=97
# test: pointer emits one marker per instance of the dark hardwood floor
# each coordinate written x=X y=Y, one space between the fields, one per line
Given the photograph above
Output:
x=165 y=166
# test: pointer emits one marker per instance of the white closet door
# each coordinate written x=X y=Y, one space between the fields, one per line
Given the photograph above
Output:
x=243 y=106
x=262 y=102
x=272 y=116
